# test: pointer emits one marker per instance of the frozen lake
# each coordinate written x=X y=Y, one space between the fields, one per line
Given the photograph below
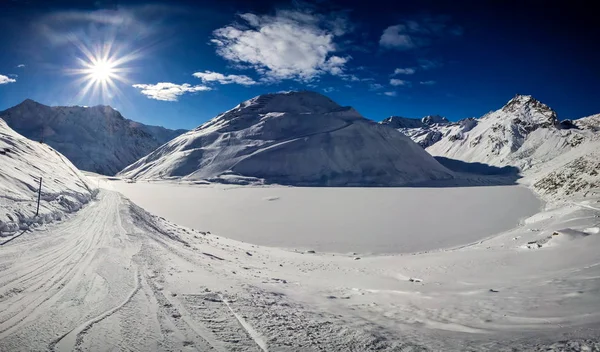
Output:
x=362 y=220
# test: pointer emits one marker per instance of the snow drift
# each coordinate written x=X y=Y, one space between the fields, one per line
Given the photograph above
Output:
x=97 y=139
x=296 y=138
x=22 y=163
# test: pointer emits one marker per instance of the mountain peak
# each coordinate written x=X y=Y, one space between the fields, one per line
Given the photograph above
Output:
x=434 y=119
x=300 y=102
x=531 y=110
x=402 y=122
x=30 y=102
x=520 y=101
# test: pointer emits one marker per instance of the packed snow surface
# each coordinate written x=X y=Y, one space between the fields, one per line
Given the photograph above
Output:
x=294 y=138
x=96 y=138
x=117 y=278
x=378 y=220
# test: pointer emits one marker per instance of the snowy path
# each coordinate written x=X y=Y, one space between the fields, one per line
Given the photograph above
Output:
x=88 y=283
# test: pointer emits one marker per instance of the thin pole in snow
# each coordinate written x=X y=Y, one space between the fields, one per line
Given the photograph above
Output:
x=39 y=196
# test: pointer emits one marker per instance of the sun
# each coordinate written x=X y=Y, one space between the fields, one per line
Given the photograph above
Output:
x=102 y=71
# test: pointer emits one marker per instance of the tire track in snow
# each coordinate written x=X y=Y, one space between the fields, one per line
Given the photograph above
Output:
x=585 y=206
x=68 y=262
x=260 y=341
x=72 y=340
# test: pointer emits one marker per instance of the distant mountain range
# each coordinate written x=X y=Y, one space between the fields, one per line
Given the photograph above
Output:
x=304 y=138
x=97 y=138
x=525 y=133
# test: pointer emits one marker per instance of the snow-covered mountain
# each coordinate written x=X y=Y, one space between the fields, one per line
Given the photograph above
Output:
x=557 y=157
x=22 y=162
x=299 y=138
x=97 y=138
x=523 y=133
x=425 y=131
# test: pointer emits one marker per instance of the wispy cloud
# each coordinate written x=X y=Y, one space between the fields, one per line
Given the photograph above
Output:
x=428 y=83
x=390 y=94
x=417 y=33
x=429 y=64
x=5 y=79
x=289 y=45
x=399 y=82
x=166 y=91
x=404 y=71
x=21 y=65
x=328 y=89
x=210 y=76
x=375 y=86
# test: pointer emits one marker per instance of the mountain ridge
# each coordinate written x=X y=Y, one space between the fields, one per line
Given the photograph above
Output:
x=98 y=138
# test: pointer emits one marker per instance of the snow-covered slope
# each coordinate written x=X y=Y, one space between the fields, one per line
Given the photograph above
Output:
x=22 y=163
x=523 y=133
x=94 y=138
x=558 y=158
x=299 y=138
x=424 y=132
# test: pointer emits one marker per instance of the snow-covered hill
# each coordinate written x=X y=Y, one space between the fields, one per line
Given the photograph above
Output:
x=97 y=138
x=299 y=138
x=22 y=163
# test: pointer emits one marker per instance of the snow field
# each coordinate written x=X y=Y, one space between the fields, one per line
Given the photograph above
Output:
x=362 y=220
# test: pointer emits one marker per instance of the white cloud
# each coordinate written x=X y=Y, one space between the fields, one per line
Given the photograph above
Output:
x=21 y=65
x=429 y=64
x=395 y=37
x=399 y=82
x=5 y=79
x=404 y=71
x=328 y=89
x=209 y=76
x=417 y=33
x=375 y=86
x=168 y=91
x=350 y=77
x=427 y=83
x=390 y=94
x=289 y=45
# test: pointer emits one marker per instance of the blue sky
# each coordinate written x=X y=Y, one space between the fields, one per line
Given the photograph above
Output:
x=179 y=64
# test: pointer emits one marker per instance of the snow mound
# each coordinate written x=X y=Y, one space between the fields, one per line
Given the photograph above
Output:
x=295 y=138
x=97 y=139
x=22 y=163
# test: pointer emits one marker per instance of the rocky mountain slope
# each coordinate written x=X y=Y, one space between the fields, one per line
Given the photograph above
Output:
x=22 y=163
x=299 y=138
x=558 y=157
x=425 y=131
x=97 y=138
